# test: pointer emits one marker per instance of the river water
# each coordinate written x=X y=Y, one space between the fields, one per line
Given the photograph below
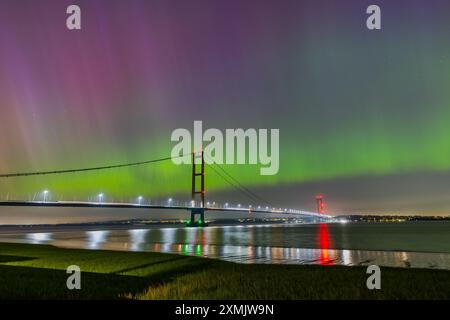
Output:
x=407 y=244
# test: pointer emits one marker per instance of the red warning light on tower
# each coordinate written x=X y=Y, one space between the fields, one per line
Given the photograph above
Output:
x=320 y=203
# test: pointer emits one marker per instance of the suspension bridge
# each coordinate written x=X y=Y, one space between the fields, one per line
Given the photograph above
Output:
x=197 y=206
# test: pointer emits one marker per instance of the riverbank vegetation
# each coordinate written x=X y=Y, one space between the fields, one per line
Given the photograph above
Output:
x=39 y=272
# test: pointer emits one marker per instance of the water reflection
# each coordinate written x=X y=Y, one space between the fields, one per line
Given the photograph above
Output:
x=168 y=235
x=252 y=254
x=137 y=238
x=243 y=244
x=96 y=238
x=346 y=257
x=39 y=238
x=324 y=245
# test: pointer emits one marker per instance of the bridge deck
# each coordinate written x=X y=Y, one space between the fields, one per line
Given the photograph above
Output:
x=80 y=204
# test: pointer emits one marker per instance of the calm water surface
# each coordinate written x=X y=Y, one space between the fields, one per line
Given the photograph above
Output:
x=412 y=244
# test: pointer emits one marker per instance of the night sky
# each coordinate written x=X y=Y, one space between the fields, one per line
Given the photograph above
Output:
x=363 y=115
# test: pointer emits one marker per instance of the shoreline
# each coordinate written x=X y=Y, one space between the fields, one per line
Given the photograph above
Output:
x=13 y=240
x=334 y=256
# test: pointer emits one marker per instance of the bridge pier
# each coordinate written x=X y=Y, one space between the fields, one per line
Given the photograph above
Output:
x=197 y=222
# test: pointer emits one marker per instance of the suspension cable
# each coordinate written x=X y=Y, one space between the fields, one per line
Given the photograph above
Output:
x=237 y=184
x=36 y=173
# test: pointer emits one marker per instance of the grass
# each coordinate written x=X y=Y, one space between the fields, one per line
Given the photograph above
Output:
x=39 y=272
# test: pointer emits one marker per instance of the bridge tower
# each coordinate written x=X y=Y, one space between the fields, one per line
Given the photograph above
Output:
x=320 y=204
x=198 y=194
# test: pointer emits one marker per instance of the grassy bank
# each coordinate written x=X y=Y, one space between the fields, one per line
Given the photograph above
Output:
x=38 y=271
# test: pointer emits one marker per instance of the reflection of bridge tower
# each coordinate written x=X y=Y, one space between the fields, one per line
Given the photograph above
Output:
x=320 y=204
x=198 y=193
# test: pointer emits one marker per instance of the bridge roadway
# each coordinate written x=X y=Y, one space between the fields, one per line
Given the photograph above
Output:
x=81 y=204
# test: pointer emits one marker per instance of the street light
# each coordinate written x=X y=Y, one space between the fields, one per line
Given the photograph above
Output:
x=45 y=195
x=170 y=201
x=100 y=197
x=140 y=200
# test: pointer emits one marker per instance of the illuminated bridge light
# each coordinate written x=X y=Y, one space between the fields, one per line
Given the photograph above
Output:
x=45 y=193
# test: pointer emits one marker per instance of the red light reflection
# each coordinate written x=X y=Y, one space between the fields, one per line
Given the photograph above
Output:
x=324 y=243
